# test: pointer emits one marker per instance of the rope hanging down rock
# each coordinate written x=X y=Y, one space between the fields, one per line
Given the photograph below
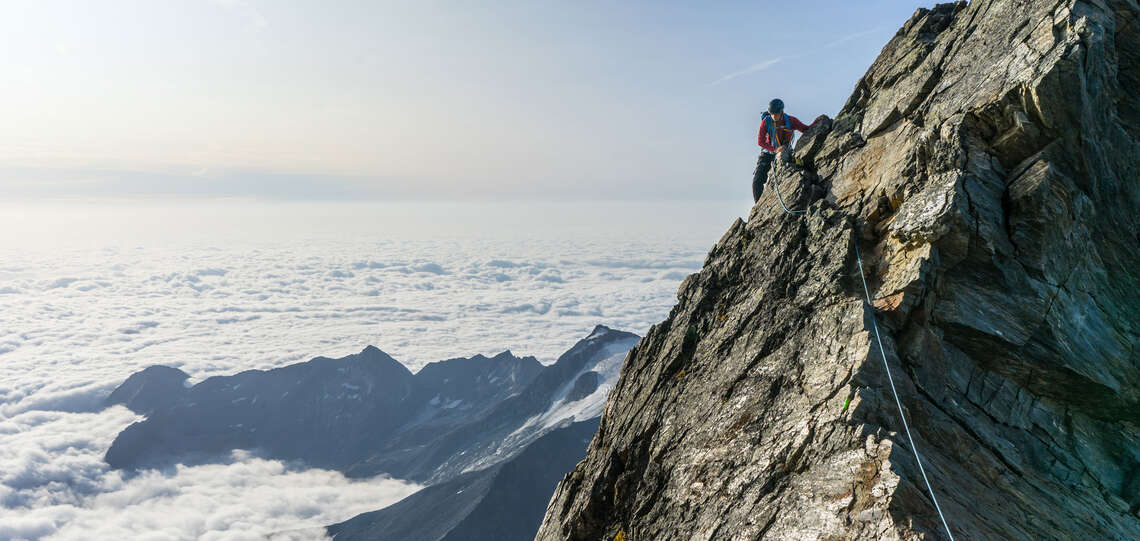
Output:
x=895 y=392
x=776 y=184
x=886 y=367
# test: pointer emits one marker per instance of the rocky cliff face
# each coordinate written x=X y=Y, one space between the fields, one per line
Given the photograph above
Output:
x=987 y=168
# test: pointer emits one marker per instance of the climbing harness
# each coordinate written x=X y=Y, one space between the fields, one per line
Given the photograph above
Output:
x=773 y=131
x=887 y=368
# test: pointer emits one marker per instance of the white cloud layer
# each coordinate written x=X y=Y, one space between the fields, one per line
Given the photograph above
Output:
x=92 y=294
x=54 y=484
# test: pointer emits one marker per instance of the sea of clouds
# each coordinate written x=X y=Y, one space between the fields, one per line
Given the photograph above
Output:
x=93 y=292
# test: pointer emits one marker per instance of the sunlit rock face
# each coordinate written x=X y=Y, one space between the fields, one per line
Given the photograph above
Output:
x=987 y=169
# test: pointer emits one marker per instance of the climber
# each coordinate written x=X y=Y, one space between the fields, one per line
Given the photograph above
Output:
x=776 y=133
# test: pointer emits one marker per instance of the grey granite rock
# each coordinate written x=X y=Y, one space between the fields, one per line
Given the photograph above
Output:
x=987 y=167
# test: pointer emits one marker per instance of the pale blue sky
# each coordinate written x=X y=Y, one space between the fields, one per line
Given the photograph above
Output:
x=422 y=100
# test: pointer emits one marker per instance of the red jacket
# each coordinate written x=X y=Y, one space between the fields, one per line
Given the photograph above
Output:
x=782 y=132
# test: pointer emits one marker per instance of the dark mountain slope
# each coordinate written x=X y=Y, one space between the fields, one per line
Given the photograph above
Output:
x=324 y=411
x=502 y=503
x=149 y=389
x=477 y=444
x=363 y=414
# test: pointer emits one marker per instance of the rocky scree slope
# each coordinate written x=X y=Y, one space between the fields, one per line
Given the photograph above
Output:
x=986 y=166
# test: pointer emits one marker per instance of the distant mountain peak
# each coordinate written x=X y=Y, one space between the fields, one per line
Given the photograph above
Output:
x=150 y=388
x=599 y=331
x=373 y=354
x=371 y=350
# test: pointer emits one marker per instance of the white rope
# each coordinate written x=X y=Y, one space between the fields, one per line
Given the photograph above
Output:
x=895 y=392
x=891 y=379
x=776 y=184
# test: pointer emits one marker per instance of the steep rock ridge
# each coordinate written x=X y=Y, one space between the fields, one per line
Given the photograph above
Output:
x=987 y=168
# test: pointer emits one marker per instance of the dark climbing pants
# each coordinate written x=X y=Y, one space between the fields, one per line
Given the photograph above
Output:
x=761 y=174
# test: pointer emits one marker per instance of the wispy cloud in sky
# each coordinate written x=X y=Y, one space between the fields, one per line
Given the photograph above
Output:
x=760 y=66
x=850 y=37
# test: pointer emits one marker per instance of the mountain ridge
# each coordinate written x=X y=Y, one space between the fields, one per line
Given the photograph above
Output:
x=363 y=414
x=985 y=169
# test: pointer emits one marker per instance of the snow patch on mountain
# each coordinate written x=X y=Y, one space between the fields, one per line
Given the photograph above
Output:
x=565 y=410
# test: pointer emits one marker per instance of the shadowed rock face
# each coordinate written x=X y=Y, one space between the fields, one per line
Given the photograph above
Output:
x=987 y=167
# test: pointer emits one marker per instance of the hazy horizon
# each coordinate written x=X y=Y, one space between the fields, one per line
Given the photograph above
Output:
x=413 y=101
